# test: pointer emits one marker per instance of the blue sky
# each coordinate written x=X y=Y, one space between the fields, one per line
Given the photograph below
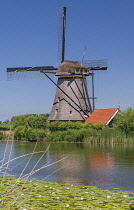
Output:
x=29 y=37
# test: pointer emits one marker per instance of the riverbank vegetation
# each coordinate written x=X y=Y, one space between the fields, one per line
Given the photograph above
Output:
x=26 y=194
x=33 y=126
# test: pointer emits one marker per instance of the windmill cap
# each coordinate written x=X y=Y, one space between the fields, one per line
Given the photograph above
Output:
x=68 y=66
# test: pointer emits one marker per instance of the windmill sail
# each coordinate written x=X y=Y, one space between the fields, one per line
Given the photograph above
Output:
x=61 y=33
x=96 y=64
x=20 y=73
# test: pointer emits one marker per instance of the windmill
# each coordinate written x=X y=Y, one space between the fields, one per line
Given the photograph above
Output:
x=71 y=102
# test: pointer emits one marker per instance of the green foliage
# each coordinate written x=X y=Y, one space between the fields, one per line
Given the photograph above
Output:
x=34 y=126
x=18 y=121
x=29 y=126
x=7 y=122
x=19 y=133
x=73 y=136
x=53 y=126
x=70 y=135
x=74 y=131
x=97 y=127
x=37 y=121
x=63 y=126
x=42 y=133
x=4 y=127
x=2 y=136
x=125 y=121
x=88 y=133
x=31 y=120
x=131 y=208
x=30 y=133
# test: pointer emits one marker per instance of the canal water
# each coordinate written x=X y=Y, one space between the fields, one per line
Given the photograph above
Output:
x=104 y=166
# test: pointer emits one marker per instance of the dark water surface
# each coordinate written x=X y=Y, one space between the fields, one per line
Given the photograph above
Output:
x=105 y=166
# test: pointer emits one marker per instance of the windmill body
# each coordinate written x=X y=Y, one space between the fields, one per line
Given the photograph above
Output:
x=71 y=99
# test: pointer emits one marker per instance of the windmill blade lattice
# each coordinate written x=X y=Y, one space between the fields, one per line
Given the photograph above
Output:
x=22 y=73
x=96 y=64
x=61 y=12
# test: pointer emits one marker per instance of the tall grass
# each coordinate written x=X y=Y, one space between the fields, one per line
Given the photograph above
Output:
x=90 y=135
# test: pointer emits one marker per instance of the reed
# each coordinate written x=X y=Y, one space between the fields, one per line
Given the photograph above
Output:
x=91 y=135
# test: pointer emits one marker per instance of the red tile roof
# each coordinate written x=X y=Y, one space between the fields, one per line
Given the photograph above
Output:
x=102 y=116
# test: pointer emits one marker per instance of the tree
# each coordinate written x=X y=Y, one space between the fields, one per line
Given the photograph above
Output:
x=2 y=136
x=19 y=133
x=18 y=120
x=125 y=121
x=31 y=133
x=7 y=122
x=32 y=120
x=37 y=121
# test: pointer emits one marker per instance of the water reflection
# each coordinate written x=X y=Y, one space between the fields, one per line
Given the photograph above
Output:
x=99 y=165
x=87 y=169
x=106 y=166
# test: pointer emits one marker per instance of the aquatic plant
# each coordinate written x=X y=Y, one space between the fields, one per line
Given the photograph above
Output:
x=50 y=195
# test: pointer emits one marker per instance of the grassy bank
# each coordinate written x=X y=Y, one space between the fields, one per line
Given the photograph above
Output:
x=90 y=135
x=70 y=132
x=26 y=195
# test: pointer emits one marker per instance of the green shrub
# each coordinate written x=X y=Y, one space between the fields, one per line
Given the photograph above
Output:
x=2 y=136
x=4 y=127
x=53 y=126
x=71 y=135
x=30 y=133
x=125 y=121
x=19 y=133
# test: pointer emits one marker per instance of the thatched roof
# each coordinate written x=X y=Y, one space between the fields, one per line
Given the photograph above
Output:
x=67 y=67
